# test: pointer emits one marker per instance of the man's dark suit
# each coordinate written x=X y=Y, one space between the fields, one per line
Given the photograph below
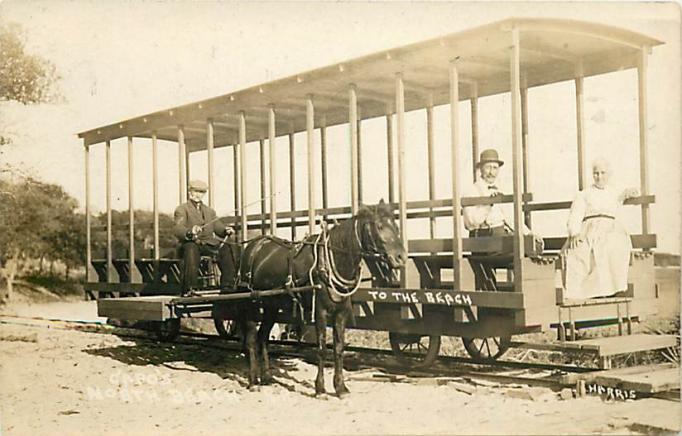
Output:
x=208 y=242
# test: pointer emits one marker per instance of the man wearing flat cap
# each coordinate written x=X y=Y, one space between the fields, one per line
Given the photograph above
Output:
x=490 y=219
x=201 y=233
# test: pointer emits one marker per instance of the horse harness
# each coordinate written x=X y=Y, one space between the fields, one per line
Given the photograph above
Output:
x=324 y=264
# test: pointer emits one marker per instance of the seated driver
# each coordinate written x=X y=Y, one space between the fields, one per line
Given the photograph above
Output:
x=201 y=233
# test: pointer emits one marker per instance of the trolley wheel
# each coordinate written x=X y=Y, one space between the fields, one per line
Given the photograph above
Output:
x=226 y=328
x=487 y=349
x=167 y=330
x=415 y=351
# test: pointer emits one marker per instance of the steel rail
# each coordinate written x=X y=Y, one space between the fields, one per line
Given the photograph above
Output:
x=307 y=345
x=388 y=368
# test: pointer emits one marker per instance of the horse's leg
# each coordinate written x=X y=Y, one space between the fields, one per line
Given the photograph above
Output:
x=269 y=315
x=250 y=331
x=340 y=317
x=321 y=329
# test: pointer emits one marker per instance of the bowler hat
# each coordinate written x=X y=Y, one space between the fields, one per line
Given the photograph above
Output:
x=489 y=155
x=198 y=185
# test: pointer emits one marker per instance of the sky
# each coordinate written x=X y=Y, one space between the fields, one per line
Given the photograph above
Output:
x=123 y=59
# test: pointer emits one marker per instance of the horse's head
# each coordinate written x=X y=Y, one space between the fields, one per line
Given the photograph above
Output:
x=379 y=234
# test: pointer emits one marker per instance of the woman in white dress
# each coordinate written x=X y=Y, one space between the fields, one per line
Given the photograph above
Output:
x=596 y=256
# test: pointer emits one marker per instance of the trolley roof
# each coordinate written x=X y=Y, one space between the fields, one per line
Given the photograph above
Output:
x=552 y=50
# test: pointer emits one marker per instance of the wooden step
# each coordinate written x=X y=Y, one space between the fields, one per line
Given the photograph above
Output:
x=607 y=346
x=645 y=379
x=611 y=346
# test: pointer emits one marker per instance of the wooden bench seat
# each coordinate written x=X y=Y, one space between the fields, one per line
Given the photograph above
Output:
x=167 y=269
x=100 y=266
x=122 y=267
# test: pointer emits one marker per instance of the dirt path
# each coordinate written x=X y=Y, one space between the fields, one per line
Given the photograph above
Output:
x=70 y=382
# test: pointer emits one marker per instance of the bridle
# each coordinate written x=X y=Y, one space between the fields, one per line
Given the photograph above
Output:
x=372 y=254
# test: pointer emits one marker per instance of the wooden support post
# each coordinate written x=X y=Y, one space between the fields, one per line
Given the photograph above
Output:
x=571 y=323
x=88 y=220
x=359 y=141
x=353 y=125
x=131 y=210
x=524 y=145
x=515 y=87
x=642 y=70
x=263 y=200
x=389 y=147
x=456 y=198
x=620 y=320
x=187 y=172
x=580 y=126
x=182 y=164
x=211 y=169
x=431 y=164
x=402 y=200
x=561 y=327
x=273 y=181
x=474 y=127
x=310 y=137
x=323 y=162
x=292 y=183
x=155 y=199
x=110 y=264
x=236 y=176
x=242 y=175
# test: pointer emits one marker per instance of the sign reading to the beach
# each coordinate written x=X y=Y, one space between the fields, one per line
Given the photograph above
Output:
x=427 y=297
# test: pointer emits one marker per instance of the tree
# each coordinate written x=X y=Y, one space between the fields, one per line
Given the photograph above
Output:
x=144 y=235
x=24 y=78
x=36 y=219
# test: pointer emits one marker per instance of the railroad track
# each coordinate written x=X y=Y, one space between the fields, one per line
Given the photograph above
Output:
x=358 y=359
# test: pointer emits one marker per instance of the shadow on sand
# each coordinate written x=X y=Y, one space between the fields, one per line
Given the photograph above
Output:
x=218 y=356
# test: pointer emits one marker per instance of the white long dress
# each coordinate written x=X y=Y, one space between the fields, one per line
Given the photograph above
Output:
x=598 y=266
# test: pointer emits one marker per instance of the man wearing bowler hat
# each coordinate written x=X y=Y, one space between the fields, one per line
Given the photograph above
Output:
x=200 y=232
x=490 y=219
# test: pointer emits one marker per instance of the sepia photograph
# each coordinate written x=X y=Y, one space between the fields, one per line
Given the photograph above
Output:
x=340 y=217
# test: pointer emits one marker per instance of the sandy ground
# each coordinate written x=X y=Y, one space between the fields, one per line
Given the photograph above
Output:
x=57 y=381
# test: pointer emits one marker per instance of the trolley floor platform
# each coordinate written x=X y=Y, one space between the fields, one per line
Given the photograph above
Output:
x=161 y=307
x=145 y=308
x=607 y=346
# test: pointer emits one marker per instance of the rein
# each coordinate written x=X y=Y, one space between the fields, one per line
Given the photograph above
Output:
x=340 y=286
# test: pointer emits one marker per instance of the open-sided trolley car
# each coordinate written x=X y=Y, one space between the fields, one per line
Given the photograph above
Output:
x=436 y=293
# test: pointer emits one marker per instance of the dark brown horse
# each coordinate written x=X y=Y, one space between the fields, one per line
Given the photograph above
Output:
x=332 y=260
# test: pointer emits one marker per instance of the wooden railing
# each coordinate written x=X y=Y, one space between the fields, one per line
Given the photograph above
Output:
x=435 y=208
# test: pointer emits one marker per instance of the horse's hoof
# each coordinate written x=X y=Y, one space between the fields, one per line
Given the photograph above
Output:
x=254 y=388
x=342 y=391
x=322 y=396
x=267 y=380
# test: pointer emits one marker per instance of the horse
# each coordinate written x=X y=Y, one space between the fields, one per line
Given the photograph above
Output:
x=331 y=259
